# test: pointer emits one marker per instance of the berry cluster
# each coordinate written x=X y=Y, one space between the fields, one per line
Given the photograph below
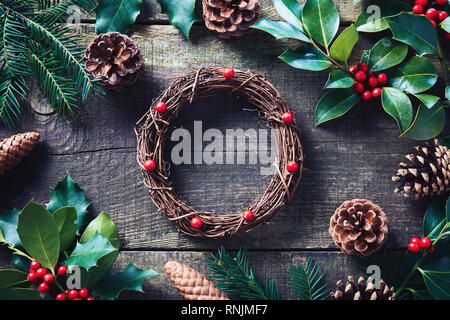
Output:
x=368 y=84
x=436 y=16
x=416 y=244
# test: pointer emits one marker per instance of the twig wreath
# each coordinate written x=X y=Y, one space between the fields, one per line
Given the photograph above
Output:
x=208 y=82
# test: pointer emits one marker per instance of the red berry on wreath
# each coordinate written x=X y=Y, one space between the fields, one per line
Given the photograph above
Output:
x=417 y=9
x=414 y=247
x=248 y=215
x=367 y=95
x=287 y=117
x=360 y=76
x=358 y=87
x=61 y=296
x=84 y=293
x=149 y=165
x=425 y=243
x=432 y=13
x=32 y=277
x=44 y=287
x=196 y=223
x=161 y=107
x=228 y=73
x=353 y=69
x=363 y=67
x=441 y=2
x=62 y=270
x=382 y=79
x=41 y=272
x=292 y=166
x=376 y=93
x=373 y=82
x=73 y=294
x=34 y=265
x=414 y=240
x=443 y=15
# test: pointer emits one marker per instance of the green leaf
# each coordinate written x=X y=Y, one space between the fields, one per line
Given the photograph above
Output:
x=181 y=13
x=131 y=278
x=10 y=278
x=386 y=54
x=20 y=262
x=409 y=261
x=65 y=221
x=372 y=19
x=414 y=30
x=428 y=123
x=305 y=284
x=39 y=234
x=447 y=92
x=290 y=11
x=334 y=104
x=87 y=254
x=427 y=99
x=397 y=105
x=437 y=278
x=321 y=19
x=446 y=24
x=420 y=294
x=343 y=45
x=339 y=79
x=280 y=29
x=435 y=218
x=8 y=227
x=414 y=75
x=445 y=141
x=116 y=15
x=365 y=57
x=306 y=57
x=20 y=294
x=67 y=193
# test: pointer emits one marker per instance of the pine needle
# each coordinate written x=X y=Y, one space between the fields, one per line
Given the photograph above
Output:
x=305 y=282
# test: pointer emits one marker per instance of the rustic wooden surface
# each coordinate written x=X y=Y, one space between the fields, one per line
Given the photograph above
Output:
x=351 y=157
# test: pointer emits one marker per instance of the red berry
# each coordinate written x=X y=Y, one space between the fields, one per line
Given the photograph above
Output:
x=34 y=265
x=44 y=287
x=372 y=74
x=376 y=93
x=49 y=278
x=433 y=23
x=373 y=82
x=417 y=9
x=84 y=293
x=432 y=13
x=67 y=291
x=358 y=87
x=425 y=243
x=431 y=250
x=422 y=3
x=41 y=272
x=353 y=69
x=248 y=215
x=196 y=223
x=61 y=296
x=287 y=117
x=414 y=240
x=149 y=165
x=441 y=2
x=32 y=277
x=228 y=73
x=62 y=270
x=360 y=76
x=73 y=294
x=363 y=67
x=292 y=166
x=382 y=78
x=161 y=107
x=89 y=298
x=367 y=95
x=443 y=15
x=414 y=247
x=447 y=36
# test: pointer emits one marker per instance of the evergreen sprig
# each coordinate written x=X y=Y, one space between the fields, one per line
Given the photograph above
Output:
x=234 y=275
x=35 y=42
x=305 y=283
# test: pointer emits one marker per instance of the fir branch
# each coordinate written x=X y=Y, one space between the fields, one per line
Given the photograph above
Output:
x=10 y=88
x=305 y=282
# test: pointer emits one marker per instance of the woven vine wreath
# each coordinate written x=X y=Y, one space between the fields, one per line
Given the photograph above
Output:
x=208 y=82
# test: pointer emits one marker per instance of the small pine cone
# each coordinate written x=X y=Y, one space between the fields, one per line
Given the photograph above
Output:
x=426 y=174
x=115 y=58
x=15 y=148
x=191 y=283
x=230 y=18
x=359 y=227
x=362 y=291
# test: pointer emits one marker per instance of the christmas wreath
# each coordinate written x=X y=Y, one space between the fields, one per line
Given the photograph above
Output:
x=207 y=82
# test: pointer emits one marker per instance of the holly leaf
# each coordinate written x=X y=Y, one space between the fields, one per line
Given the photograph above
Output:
x=398 y=106
x=334 y=104
x=131 y=278
x=280 y=29
x=321 y=19
x=21 y=294
x=116 y=15
x=181 y=13
x=427 y=124
x=437 y=278
x=20 y=262
x=67 y=193
x=386 y=54
x=87 y=254
x=446 y=24
x=306 y=57
x=8 y=227
x=428 y=100
x=290 y=11
x=365 y=57
x=65 y=221
x=339 y=79
x=372 y=19
x=414 y=30
x=343 y=45
x=445 y=141
x=39 y=234
x=10 y=278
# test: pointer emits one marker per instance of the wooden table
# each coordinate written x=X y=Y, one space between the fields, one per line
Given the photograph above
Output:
x=351 y=157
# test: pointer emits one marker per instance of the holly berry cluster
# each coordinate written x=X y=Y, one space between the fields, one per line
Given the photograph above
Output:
x=368 y=84
x=416 y=244
x=426 y=8
x=45 y=279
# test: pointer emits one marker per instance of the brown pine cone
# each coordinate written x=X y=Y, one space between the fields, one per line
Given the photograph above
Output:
x=230 y=18
x=115 y=58
x=426 y=174
x=15 y=148
x=191 y=283
x=359 y=227
x=361 y=291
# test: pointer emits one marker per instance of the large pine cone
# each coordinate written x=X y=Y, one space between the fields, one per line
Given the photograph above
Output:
x=15 y=148
x=427 y=173
x=359 y=227
x=230 y=18
x=361 y=291
x=115 y=58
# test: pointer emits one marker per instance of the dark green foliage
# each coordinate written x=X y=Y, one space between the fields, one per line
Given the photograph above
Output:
x=305 y=283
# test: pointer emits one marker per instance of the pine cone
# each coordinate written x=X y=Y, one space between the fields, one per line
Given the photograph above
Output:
x=114 y=57
x=361 y=291
x=359 y=227
x=191 y=283
x=427 y=173
x=230 y=18
x=15 y=148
